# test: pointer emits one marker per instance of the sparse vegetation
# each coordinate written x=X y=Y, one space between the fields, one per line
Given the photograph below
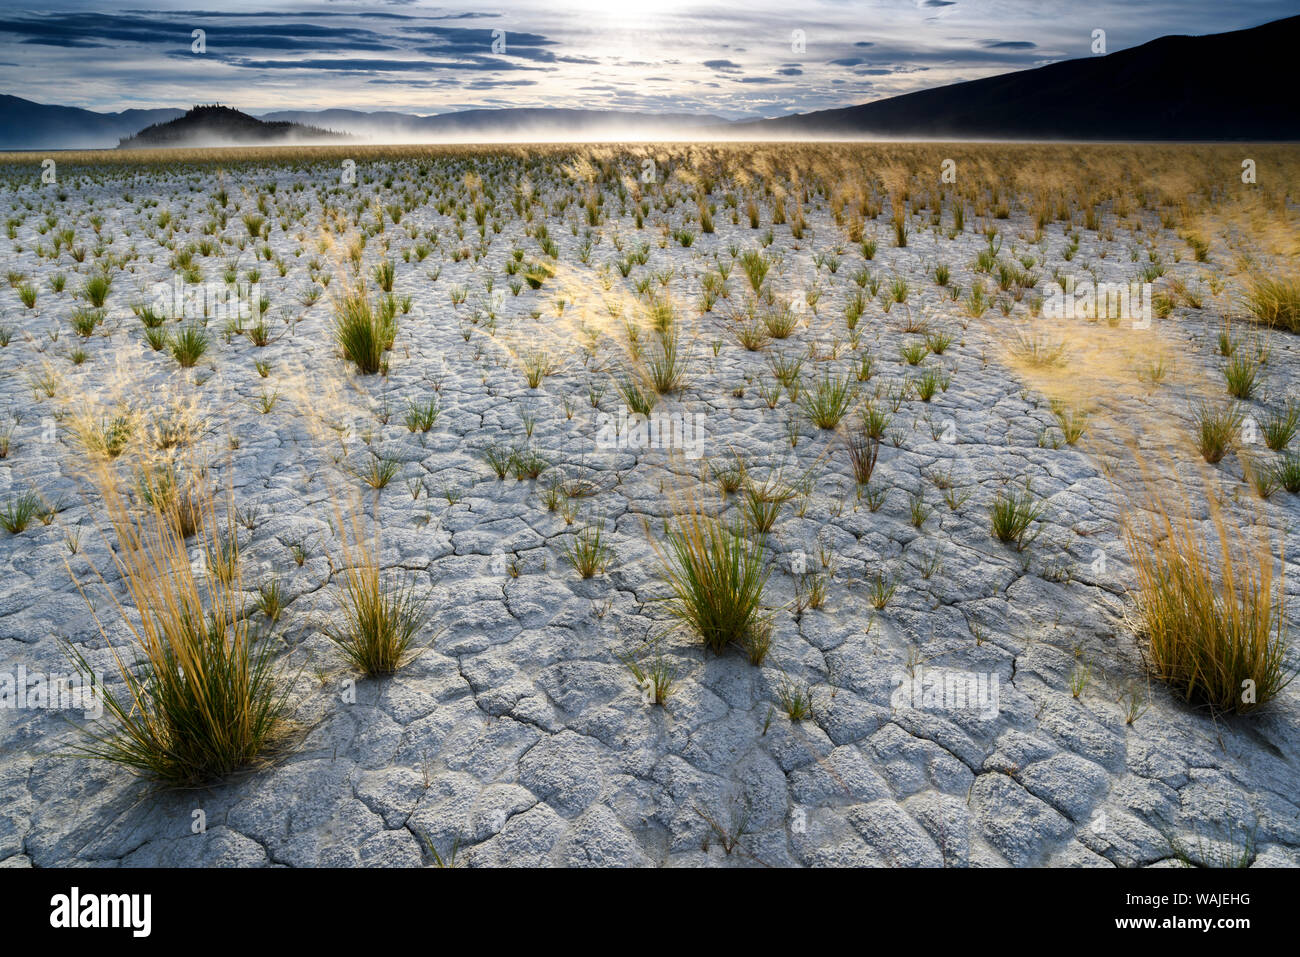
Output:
x=817 y=377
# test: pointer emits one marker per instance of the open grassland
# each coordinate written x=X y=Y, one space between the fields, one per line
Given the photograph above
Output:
x=919 y=504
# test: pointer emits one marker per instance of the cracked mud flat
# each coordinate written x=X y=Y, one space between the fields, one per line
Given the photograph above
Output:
x=520 y=737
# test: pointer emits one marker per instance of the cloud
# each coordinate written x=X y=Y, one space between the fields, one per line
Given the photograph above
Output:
x=380 y=66
x=732 y=61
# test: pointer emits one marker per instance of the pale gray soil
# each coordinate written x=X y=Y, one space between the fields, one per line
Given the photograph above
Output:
x=521 y=737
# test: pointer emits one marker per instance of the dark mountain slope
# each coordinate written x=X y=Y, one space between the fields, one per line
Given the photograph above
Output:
x=1222 y=86
x=28 y=125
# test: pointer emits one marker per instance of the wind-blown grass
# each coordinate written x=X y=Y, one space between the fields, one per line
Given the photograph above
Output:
x=378 y=621
x=1209 y=611
x=202 y=697
x=1275 y=302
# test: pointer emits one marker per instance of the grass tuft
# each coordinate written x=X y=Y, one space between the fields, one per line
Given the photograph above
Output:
x=364 y=331
x=1216 y=425
x=379 y=622
x=1209 y=612
x=588 y=551
x=717 y=574
x=1275 y=302
x=202 y=698
x=1012 y=514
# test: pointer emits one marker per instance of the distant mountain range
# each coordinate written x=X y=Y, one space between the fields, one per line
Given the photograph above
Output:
x=1224 y=86
x=222 y=126
x=28 y=125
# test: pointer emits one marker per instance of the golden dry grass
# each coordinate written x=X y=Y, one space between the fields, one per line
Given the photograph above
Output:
x=202 y=696
x=1207 y=603
x=1210 y=607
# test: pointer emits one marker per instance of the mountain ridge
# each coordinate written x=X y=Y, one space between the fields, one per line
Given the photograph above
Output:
x=70 y=127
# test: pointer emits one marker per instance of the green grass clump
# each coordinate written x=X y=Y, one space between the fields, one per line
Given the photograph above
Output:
x=914 y=352
x=1287 y=473
x=1242 y=376
x=1280 y=427
x=666 y=364
x=829 y=401
x=85 y=321
x=96 y=290
x=864 y=441
x=1012 y=514
x=19 y=511
x=363 y=330
x=377 y=471
x=639 y=396
x=420 y=416
x=588 y=552
x=717 y=574
x=796 y=699
x=188 y=344
x=1216 y=425
x=378 y=622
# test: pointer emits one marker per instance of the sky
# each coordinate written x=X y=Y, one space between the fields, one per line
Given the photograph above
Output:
x=741 y=59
